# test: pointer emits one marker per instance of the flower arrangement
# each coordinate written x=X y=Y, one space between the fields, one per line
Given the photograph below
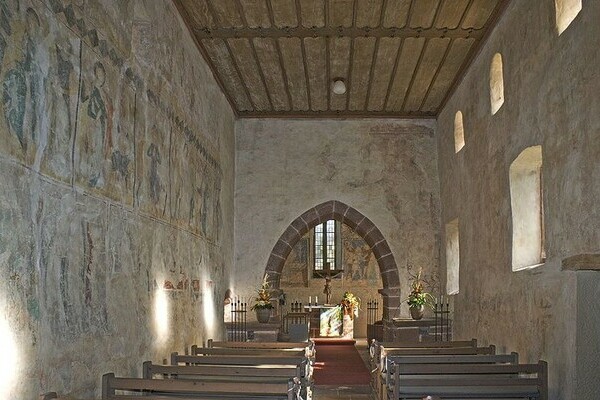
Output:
x=418 y=297
x=350 y=304
x=263 y=300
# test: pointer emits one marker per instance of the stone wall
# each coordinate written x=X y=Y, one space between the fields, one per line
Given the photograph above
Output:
x=551 y=87
x=361 y=276
x=116 y=192
x=385 y=169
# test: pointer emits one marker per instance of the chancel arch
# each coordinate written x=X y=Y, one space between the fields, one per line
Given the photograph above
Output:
x=362 y=225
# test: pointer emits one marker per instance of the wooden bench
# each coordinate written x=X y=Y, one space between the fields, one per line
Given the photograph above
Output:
x=223 y=351
x=245 y=360
x=218 y=373
x=466 y=381
x=378 y=368
x=386 y=380
x=183 y=389
x=376 y=347
x=310 y=345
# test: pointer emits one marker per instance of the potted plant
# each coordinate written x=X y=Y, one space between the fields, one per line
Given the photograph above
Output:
x=263 y=305
x=350 y=305
x=418 y=297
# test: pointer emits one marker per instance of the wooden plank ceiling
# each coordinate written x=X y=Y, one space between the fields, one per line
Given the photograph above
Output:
x=398 y=58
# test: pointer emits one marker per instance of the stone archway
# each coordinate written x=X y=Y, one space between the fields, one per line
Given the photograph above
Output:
x=339 y=211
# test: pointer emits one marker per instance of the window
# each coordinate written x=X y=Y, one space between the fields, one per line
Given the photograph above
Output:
x=566 y=11
x=459 y=132
x=526 y=200
x=496 y=83
x=452 y=257
x=327 y=248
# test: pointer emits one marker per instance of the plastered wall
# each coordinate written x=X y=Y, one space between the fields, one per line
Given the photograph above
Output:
x=386 y=169
x=116 y=193
x=551 y=85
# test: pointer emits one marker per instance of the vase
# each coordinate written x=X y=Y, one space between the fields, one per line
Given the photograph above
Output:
x=417 y=312
x=263 y=315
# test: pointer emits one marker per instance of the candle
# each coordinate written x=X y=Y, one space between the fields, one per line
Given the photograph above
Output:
x=309 y=300
x=316 y=300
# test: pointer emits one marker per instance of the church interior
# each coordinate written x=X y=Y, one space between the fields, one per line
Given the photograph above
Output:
x=392 y=182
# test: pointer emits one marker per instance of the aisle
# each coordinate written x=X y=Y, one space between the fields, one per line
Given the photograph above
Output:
x=338 y=363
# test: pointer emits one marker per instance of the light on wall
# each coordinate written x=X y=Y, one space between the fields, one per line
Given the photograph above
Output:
x=338 y=86
x=10 y=359
x=161 y=315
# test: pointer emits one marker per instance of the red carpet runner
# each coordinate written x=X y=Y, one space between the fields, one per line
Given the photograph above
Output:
x=338 y=363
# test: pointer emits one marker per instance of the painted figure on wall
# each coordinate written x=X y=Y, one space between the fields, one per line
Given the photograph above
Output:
x=22 y=86
x=154 y=181
x=96 y=106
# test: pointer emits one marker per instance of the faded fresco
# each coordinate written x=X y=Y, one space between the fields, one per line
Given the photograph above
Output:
x=39 y=83
x=111 y=188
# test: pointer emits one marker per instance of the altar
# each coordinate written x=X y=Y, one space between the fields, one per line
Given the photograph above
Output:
x=328 y=320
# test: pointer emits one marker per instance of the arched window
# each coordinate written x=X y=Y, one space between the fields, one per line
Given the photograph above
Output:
x=327 y=248
x=566 y=11
x=496 y=83
x=459 y=132
x=527 y=207
x=452 y=257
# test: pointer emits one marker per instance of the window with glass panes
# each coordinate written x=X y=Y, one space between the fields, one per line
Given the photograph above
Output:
x=327 y=249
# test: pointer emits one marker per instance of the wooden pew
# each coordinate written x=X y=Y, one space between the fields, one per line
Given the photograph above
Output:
x=310 y=345
x=218 y=373
x=183 y=389
x=464 y=381
x=376 y=347
x=223 y=351
x=245 y=360
x=379 y=367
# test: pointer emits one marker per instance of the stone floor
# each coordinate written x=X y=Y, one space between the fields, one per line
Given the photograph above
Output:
x=323 y=392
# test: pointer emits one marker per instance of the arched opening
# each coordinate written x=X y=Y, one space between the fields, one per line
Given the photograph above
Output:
x=459 y=132
x=496 y=83
x=363 y=226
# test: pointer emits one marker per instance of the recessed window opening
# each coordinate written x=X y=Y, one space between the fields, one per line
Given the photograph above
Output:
x=526 y=199
x=566 y=11
x=327 y=249
x=459 y=132
x=452 y=257
x=496 y=83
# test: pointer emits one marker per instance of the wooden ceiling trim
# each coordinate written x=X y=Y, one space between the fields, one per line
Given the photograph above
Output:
x=393 y=75
x=378 y=56
x=291 y=53
x=336 y=114
x=436 y=74
x=424 y=12
x=452 y=64
x=217 y=54
x=371 y=72
x=284 y=13
x=452 y=13
x=349 y=74
x=341 y=13
x=436 y=48
x=268 y=56
x=217 y=77
x=414 y=74
x=406 y=71
x=226 y=12
x=312 y=13
x=195 y=13
x=328 y=76
x=364 y=48
x=255 y=13
x=387 y=55
x=241 y=51
x=318 y=83
x=479 y=14
x=280 y=57
x=368 y=13
x=304 y=57
x=397 y=13
x=351 y=31
x=475 y=50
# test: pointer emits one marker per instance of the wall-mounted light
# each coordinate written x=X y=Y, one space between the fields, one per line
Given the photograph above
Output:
x=338 y=86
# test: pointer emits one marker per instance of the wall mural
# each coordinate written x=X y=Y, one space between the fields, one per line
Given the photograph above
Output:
x=109 y=186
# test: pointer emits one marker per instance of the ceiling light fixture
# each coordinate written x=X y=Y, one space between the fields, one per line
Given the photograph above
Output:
x=338 y=87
